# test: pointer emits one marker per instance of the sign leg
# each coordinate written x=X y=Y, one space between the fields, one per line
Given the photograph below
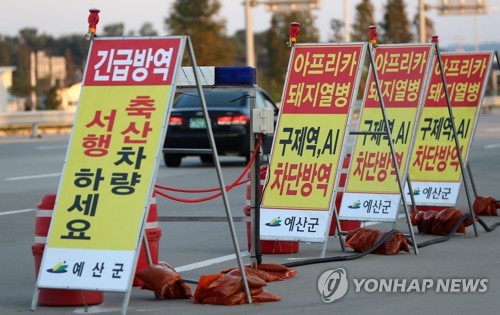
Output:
x=34 y=302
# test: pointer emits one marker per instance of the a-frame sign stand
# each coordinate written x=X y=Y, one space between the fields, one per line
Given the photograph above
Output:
x=399 y=105
x=386 y=132
x=454 y=128
x=457 y=69
x=130 y=257
x=464 y=169
x=393 y=153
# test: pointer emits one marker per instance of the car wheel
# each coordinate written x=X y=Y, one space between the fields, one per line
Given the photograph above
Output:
x=206 y=158
x=172 y=160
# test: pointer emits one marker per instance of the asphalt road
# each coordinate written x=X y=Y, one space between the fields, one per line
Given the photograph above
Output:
x=30 y=168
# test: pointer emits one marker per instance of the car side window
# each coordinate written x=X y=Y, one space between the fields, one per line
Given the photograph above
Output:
x=263 y=101
x=259 y=100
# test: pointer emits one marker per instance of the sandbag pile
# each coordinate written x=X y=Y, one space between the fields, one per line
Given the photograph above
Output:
x=164 y=281
x=486 y=206
x=362 y=239
x=439 y=223
x=225 y=289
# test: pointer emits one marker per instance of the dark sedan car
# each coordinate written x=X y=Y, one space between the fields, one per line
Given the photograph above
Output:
x=229 y=113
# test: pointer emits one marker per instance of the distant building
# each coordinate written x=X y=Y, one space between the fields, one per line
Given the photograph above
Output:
x=8 y=103
x=70 y=96
x=50 y=67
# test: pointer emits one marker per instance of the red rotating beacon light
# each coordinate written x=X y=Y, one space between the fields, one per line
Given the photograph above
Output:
x=294 y=32
x=93 y=19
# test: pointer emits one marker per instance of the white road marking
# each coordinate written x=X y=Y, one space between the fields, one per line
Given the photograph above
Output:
x=496 y=129
x=400 y=216
x=208 y=262
x=52 y=147
x=16 y=211
x=98 y=309
x=34 y=176
x=492 y=146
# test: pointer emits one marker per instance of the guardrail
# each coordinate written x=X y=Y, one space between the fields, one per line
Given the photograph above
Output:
x=10 y=122
x=490 y=101
x=64 y=118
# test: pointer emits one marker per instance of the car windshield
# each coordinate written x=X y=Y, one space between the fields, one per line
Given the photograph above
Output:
x=213 y=99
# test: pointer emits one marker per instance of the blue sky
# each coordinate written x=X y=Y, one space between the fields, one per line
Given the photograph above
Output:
x=62 y=17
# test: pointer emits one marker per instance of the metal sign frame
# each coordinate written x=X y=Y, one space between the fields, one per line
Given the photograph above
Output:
x=454 y=129
x=426 y=51
x=464 y=168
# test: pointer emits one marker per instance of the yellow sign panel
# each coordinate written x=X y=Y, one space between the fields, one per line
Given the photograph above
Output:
x=305 y=180
x=111 y=164
x=320 y=89
x=372 y=169
x=373 y=192
x=435 y=169
x=106 y=170
x=436 y=158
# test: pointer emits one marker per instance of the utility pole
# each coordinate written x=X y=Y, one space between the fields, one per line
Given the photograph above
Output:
x=347 y=23
x=33 y=76
x=249 y=34
x=423 y=34
x=272 y=5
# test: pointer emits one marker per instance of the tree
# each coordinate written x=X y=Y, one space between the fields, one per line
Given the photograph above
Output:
x=30 y=37
x=395 y=26
x=239 y=44
x=116 y=29
x=196 y=18
x=429 y=27
x=78 y=47
x=363 y=20
x=336 y=25
x=4 y=54
x=53 y=100
x=10 y=54
x=70 y=68
x=147 y=29
x=21 y=81
x=278 y=52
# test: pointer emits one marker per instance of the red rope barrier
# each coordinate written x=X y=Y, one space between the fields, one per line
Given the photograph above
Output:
x=193 y=191
x=237 y=182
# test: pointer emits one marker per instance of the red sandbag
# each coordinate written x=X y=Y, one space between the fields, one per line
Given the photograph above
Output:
x=223 y=289
x=266 y=272
x=266 y=276
x=485 y=206
x=423 y=220
x=362 y=239
x=234 y=299
x=217 y=289
x=265 y=296
x=439 y=223
x=280 y=271
x=164 y=281
x=393 y=245
x=445 y=221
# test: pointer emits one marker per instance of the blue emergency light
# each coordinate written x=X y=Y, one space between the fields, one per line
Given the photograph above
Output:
x=235 y=76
